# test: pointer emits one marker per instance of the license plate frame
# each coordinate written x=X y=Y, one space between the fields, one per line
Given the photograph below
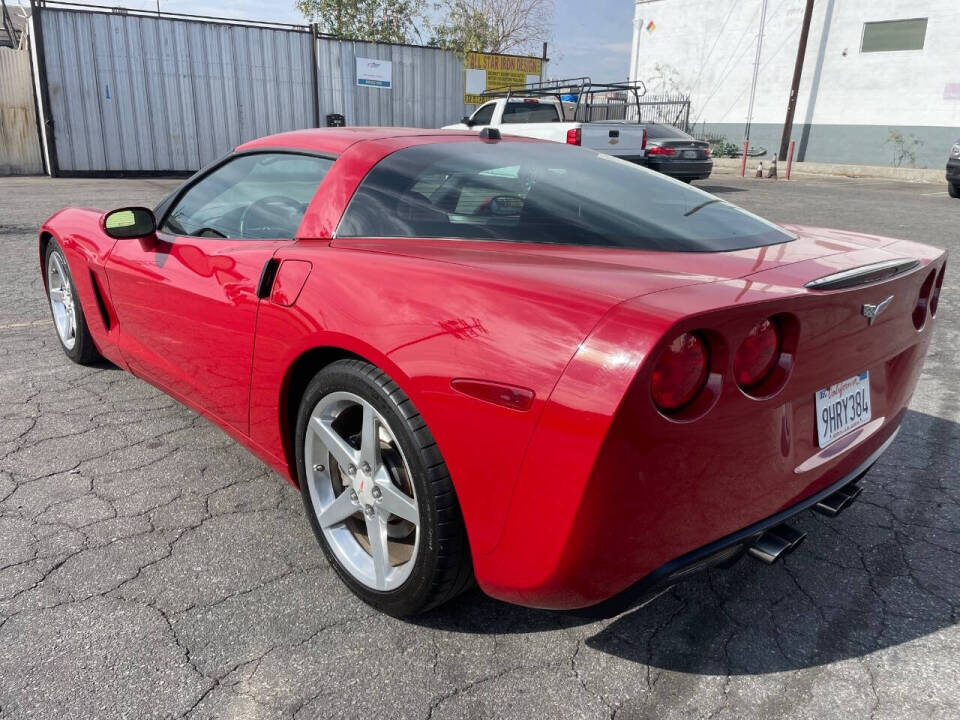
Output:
x=843 y=407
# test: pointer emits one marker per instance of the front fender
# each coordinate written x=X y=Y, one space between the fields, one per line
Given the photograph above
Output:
x=85 y=247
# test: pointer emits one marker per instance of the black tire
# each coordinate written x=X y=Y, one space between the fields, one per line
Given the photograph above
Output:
x=442 y=568
x=954 y=190
x=84 y=351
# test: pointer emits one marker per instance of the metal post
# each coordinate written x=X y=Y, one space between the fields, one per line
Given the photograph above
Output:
x=49 y=135
x=314 y=72
x=793 y=145
x=795 y=86
x=753 y=85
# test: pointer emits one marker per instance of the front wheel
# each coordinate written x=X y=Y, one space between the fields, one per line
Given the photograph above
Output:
x=65 y=308
x=954 y=190
x=377 y=491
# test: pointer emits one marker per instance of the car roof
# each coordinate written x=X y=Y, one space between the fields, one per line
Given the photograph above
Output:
x=336 y=140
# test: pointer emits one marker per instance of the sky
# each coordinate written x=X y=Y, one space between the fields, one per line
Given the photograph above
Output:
x=590 y=37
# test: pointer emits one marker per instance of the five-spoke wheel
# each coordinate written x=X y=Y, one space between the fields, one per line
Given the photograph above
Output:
x=361 y=491
x=65 y=307
x=377 y=491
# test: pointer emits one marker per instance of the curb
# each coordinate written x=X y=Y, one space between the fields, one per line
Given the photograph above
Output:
x=854 y=171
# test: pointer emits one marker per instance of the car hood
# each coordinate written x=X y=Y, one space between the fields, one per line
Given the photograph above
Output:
x=618 y=274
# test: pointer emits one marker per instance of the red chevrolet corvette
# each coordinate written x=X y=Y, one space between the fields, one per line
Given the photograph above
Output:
x=569 y=378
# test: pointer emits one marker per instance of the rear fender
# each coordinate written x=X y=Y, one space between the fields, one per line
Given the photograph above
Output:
x=426 y=323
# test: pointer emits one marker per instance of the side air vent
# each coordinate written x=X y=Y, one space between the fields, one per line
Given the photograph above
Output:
x=864 y=275
x=101 y=304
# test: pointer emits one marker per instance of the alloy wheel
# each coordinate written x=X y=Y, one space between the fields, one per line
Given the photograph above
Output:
x=60 y=292
x=362 y=491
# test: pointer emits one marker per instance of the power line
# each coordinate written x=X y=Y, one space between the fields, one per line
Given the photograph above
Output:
x=756 y=72
x=736 y=60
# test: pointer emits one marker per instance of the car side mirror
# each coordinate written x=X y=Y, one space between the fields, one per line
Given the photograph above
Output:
x=467 y=121
x=130 y=222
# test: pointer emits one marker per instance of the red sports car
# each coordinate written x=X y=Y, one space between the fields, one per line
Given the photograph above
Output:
x=569 y=378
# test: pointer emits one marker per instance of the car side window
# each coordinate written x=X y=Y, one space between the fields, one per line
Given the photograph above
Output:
x=255 y=196
x=484 y=115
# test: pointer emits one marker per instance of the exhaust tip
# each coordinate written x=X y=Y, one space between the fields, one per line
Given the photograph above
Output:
x=834 y=504
x=776 y=542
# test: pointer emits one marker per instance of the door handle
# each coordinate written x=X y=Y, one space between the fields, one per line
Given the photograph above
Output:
x=267 y=276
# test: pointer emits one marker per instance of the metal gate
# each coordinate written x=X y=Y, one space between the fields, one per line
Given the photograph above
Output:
x=427 y=85
x=127 y=92
x=19 y=149
x=666 y=110
x=130 y=94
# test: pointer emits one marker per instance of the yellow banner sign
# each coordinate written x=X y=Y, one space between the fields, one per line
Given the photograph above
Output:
x=486 y=71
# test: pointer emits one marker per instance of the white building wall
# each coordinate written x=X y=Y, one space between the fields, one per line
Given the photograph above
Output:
x=708 y=47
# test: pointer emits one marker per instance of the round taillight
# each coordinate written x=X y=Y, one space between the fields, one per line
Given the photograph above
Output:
x=923 y=301
x=758 y=354
x=935 y=298
x=680 y=372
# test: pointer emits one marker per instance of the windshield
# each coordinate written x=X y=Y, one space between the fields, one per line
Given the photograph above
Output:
x=544 y=193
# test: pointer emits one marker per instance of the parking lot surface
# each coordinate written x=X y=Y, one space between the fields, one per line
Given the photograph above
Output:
x=152 y=568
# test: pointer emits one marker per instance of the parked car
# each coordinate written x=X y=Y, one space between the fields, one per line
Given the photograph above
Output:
x=673 y=152
x=953 y=171
x=564 y=376
x=546 y=116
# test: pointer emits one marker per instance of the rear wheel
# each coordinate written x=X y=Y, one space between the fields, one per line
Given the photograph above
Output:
x=954 y=190
x=377 y=491
x=68 y=318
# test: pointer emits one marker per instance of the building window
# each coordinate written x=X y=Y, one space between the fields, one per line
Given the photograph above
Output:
x=894 y=35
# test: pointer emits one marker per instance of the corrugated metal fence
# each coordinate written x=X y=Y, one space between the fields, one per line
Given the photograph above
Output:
x=427 y=85
x=19 y=149
x=125 y=93
x=137 y=94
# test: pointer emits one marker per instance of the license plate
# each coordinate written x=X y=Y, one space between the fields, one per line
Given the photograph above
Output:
x=843 y=407
x=691 y=154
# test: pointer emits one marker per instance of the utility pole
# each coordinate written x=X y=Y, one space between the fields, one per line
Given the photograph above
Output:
x=795 y=87
x=753 y=87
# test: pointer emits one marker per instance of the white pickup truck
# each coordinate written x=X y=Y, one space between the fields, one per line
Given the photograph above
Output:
x=546 y=118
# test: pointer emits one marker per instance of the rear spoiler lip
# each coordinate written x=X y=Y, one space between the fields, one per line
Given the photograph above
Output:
x=864 y=275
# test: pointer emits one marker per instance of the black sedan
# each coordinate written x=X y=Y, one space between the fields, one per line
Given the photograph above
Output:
x=953 y=171
x=677 y=154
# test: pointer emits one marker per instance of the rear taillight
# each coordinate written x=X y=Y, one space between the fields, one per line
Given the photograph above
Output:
x=657 y=150
x=935 y=298
x=708 y=151
x=573 y=136
x=680 y=373
x=758 y=354
x=643 y=144
x=924 y=301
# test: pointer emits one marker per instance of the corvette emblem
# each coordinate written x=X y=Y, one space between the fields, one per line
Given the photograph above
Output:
x=870 y=312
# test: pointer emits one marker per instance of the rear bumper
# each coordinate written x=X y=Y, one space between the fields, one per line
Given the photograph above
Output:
x=693 y=170
x=727 y=549
x=953 y=171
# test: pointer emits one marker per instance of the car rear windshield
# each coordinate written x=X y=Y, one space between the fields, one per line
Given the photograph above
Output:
x=543 y=193
x=667 y=132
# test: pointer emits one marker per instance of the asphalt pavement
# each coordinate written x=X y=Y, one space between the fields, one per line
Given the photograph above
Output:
x=152 y=568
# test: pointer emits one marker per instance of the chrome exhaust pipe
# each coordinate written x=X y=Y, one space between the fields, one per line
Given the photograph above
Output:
x=776 y=542
x=834 y=504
